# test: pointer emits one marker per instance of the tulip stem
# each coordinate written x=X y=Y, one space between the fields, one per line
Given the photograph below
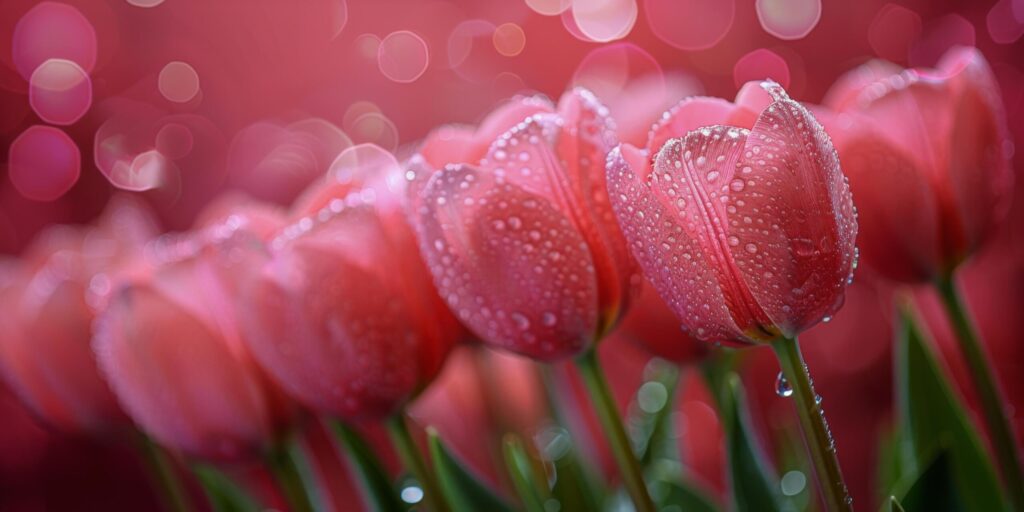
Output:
x=413 y=461
x=293 y=479
x=162 y=469
x=611 y=421
x=379 y=493
x=817 y=435
x=987 y=388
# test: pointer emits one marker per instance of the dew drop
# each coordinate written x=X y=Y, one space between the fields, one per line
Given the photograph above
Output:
x=782 y=387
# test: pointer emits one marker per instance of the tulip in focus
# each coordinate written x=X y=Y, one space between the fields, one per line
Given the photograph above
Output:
x=745 y=225
x=927 y=154
x=169 y=343
x=341 y=310
x=739 y=215
x=515 y=224
x=46 y=328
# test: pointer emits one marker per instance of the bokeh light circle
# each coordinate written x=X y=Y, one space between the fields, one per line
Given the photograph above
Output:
x=43 y=163
x=471 y=51
x=52 y=30
x=690 y=24
x=788 y=19
x=607 y=69
x=892 y=31
x=60 y=91
x=145 y=4
x=367 y=45
x=549 y=7
x=604 y=20
x=374 y=128
x=403 y=56
x=174 y=140
x=178 y=82
x=759 y=65
x=509 y=39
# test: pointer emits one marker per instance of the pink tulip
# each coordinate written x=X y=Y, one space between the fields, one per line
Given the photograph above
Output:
x=739 y=215
x=46 y=328
x=341 y=310
x=926 y=151
x=169 y=344
x=520 y=236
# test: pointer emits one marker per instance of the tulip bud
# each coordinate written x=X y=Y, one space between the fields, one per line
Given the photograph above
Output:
x=927 y=153
x=746 y=230
x=46 y=328
x=341 y=310
x=169 y=344
x=521 y=239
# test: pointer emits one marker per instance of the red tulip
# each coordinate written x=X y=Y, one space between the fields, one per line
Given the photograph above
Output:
x=342 y=311
x=743 y=222
x=169 y=344
x=520 y=237
x=926 y=152
x=45 y=331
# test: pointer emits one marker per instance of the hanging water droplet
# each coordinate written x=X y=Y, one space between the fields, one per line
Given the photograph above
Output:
x=782 y=387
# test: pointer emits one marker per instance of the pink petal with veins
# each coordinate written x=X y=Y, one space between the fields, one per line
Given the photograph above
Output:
x=509 y=262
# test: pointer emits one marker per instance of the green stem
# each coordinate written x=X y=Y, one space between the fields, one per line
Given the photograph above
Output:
x=162 y=470
x=372 y=477
x=283 y=462
x=611 y=421
x=413 y=461
x=817 y=435
x=992 y=400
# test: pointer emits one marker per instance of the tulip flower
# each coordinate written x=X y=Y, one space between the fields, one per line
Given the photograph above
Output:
x=45 y=331
x=927 y=152
x=514 y=222
x=341 y=310
x=520 y=236
x=169 y=344
x=742 y=220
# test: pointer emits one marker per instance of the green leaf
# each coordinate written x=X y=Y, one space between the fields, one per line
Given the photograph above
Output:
x=933 y=490
x=754 y=486
x=573 y=487
x=669 y=487
x=222 y=493
x=650 y=413
x=934 y=420
x=461 y=489
x=894 y=505
x=530 y=485
x=374 y=481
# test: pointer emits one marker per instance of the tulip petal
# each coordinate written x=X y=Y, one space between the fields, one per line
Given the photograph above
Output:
x=690 y=114
x=667 y=239
x=900 y=232
x=981 y=178
x=792 y=215
x=178 y=378
x=847 y=90
x=352 y=355
x=510 y=264
x=449 y=143
x=502 y=119
x=583 y=145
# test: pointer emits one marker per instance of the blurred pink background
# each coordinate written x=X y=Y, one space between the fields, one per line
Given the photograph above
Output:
x=183 y=100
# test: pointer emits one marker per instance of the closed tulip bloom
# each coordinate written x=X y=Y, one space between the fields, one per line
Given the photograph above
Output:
x=739 y=215
x=46 y=328
x=520 y=237
x=927 y=154
x=169 y=344
x=341 y=310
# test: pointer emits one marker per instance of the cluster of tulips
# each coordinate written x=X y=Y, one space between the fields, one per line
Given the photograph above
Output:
x=533 y=233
